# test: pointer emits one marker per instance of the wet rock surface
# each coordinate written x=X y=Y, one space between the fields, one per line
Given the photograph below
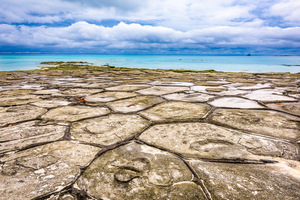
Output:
x=110 y=133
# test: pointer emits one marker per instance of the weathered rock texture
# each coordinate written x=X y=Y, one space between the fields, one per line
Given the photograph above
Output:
x=103 y=133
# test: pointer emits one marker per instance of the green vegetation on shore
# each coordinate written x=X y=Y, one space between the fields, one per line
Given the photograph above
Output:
x=87 y=66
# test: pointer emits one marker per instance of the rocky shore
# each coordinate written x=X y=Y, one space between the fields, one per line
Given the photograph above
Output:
x=76 y=131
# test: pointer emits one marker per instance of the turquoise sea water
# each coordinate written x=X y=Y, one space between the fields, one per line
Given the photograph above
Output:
x=218 y=63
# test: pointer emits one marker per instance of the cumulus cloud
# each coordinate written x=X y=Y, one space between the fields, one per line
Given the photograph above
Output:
x=135 y=36
x=169 y=24
x=288 y=9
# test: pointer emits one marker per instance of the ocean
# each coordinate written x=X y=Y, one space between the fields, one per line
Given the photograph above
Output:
x=218 y=63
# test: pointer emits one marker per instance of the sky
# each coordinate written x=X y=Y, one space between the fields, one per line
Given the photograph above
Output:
x=202 y=27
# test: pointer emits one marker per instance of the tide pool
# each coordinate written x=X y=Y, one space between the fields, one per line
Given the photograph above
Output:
x=218 y=63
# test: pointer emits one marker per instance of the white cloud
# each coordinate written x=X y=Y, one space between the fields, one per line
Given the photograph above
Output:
x=288 y=9
x=85 y=35
x=186 y=24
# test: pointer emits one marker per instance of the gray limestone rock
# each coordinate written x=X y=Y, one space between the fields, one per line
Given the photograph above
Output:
x=109 y=129
x=219 y=92
x=51 y=103
x=134 y=104
x=269 y=123
x=176 y=111
x=293 y=108
x=15 y=114
x=137 y=172
x=17 y=100
x=16 y=92
x=74 y=113
x=109 y=96
x=235 y=102
x=249 y=181
x=46 y=92
x=202 y=140
x=43 y=170
x=161 y=90
x=128 y=87
x=268 y=96
x=27 y=134
x=194 y=97
x=77 y=92
x=172 y=83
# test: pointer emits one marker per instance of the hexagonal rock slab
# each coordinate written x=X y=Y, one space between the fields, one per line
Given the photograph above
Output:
x=171 y=83
x=51 y=103
x=267 y=96
x=108 y=130
x=134 y=104
x=137 y=171
x=161 y=90
x=249 y=181
x=194 y=97
x=235 y=102
x=176 y=111
x=26 y=134
x=47 y=92
x=270 y=123
x=293 y=108
x=42 y=170
x=15 y=114
x=256 y=87
x=15 y=92
x=17 y=100
x=128 y=87
x=74 y=113
x=202 y=140
x=109 y=96
x=212 y=83
x=77 y=92
x=217 y=91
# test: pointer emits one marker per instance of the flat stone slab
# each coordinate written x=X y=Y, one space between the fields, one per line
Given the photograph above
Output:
x=267 y=96
x=74 y=113
x=128 y=87
x=212 y=83
x=256 y=87
x=24 y=135
x=109 y=96
x=134 y=104
x=15 y=114
x=137 y=171
x=176 y=111
x=51 y=103
x=172 y=83
x=270 y=123
x=77 y=92
x=42 y=170
x=17 y=100
x=235 y=102
x=161 y=90
x=202 y=140
x=148 y=134
x=109 y=129
x=47 y=92
x=15 y=92
x=226 y=91
x=249 y=181
x=194 y=97
x=293 y=108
